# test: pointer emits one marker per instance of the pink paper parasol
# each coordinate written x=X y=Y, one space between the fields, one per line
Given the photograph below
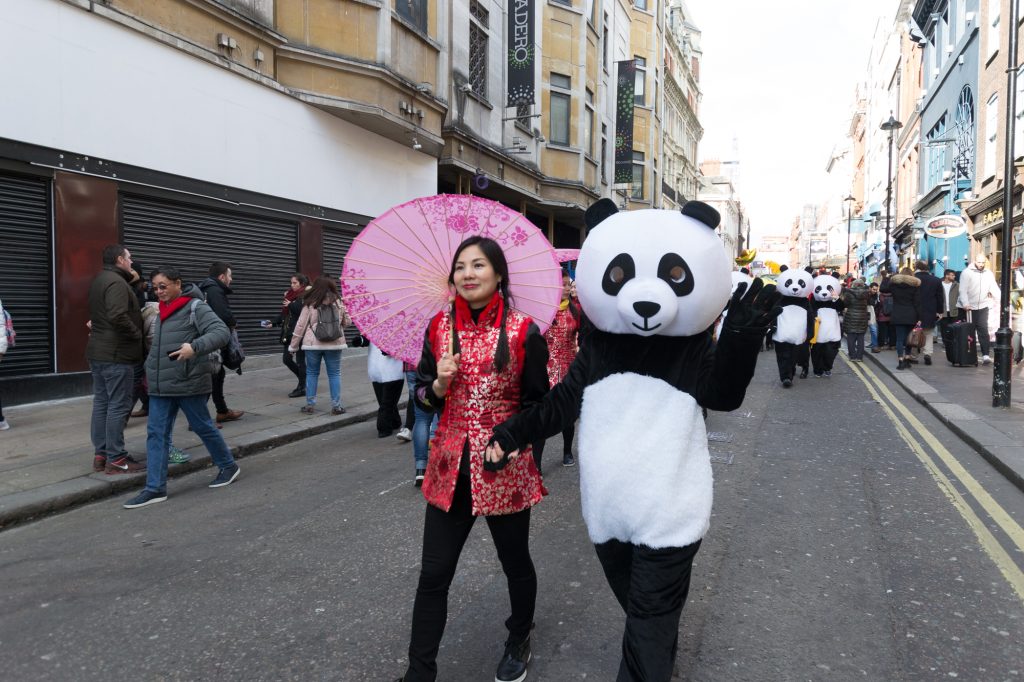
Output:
x=395 y=277
x=566 y=255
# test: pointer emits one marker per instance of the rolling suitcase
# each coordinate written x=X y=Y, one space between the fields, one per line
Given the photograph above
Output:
x=960 y=344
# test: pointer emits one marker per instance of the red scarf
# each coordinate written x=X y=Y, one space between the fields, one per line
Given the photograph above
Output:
x=490 y=315
x=168 y=309
x=290 y=296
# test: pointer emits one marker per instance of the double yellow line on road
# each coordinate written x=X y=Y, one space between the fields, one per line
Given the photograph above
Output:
x=1002 y=559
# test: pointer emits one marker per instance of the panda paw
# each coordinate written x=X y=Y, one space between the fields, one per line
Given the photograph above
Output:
x=753 y=308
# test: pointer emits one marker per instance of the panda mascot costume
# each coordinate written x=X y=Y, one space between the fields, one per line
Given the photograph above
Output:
x=827 y=309
x=795 y=325
x=651 y=283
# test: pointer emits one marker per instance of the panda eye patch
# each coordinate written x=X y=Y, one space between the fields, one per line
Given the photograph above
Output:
x=620 y=270
x=676 y=273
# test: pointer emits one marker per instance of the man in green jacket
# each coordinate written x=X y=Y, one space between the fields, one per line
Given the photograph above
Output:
x=113 y=350
x=180 y=371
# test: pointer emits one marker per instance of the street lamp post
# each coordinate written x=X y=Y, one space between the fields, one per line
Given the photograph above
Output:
x=890 y=127
x=849 y=208
x=1002 y=351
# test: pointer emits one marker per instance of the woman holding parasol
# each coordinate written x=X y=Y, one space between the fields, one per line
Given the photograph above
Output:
x=482 y=361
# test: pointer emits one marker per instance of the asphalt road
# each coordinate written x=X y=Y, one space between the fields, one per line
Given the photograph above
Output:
x=836 y=553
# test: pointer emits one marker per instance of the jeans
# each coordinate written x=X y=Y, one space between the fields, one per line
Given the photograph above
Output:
x=444 y=535
x=902 y=332
x=111 y=403
x=297 y=366
x=423 y=428
x=162 y=411
x=873 y=328
x=332 y=360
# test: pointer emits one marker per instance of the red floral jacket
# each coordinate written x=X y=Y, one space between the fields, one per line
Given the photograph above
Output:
x=561 y=338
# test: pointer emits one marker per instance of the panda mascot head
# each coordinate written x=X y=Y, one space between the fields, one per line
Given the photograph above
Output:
x=653 y=272
x=739 y=277
x=826 y=288
x=794 y=283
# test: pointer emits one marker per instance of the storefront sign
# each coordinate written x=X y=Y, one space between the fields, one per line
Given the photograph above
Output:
x=993 y=217
x=945 y=227
x=626 y=83
x=521 y=53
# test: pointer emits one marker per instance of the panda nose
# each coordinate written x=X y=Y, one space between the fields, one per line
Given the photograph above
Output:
x=646 y=308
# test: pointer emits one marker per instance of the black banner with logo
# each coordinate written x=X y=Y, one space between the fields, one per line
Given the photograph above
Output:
x=626 y=91
x=521 y=52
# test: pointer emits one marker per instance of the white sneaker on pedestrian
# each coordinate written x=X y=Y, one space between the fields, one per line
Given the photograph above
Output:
x=986 y=360
x=404 y=435
x=4 y=425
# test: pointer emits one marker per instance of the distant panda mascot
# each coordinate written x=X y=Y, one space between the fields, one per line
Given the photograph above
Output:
x=795 y=325
x=651 y=282
x=826 y=308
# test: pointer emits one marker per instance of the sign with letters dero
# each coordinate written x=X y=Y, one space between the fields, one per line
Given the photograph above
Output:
x=521 y=52
x=625 y=94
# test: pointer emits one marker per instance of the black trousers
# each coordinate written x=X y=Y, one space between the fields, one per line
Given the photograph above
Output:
x=980 y=319
x=297 y=366
x=823 y=356
x=139 y=392
x=567 y=435
x=789 y=355
x=651 y=586
x=218 y=391
x=444 y=535
x=388 y=394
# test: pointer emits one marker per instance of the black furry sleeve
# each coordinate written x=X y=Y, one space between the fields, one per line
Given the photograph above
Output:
x=426 y=372
x=550 y=415
x=726 y=370
x=534 y=384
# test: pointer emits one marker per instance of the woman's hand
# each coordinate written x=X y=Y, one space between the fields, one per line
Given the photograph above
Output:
x=494 y=454
x=447 y=367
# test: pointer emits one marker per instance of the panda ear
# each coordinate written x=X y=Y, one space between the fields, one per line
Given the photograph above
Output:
x=702 y=212
x=783 y=268
x=810 y=270
x=598 y=212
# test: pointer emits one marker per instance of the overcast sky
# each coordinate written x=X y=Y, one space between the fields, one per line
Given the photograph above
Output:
x=779 y=77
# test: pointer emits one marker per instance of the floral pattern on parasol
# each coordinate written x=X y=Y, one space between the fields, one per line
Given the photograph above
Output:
x=395 y=276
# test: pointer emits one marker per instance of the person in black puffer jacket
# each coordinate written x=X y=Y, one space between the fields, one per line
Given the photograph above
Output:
x=906 y=310
x=216 y=288
x=179 y=370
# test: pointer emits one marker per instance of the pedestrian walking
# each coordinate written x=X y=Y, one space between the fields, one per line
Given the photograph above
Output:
x=113 y=350
x=291 y=308
x=856 y=306
x=387 y=378
x=563 y=343
x=148 y=310
x=872 y=316
x=481 y=362
x=932 y=306
x=950 y=296
x=179 y=370
x=423 y=428
x=6 y=344
x=319 y=332
x=216 y=288
x=906 y=310
x=883 y=316
x=978 y=290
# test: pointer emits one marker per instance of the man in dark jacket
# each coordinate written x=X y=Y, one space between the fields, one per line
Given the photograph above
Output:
x=179 y=372
x=113 y=350
x=932 y=306
x=217 y=288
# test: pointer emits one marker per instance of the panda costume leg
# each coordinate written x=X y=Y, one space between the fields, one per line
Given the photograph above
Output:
x=818 y=362
x=651 y=586
x=829 y=352
x=785 y=355
x=803 y=355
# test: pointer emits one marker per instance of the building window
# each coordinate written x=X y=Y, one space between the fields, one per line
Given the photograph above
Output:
x=478 y=48
x=640 y=4
x=641 y=81
x=561 y=100
x=588 y=123
x=1018 y=124
x=413 y=11
x=523 y=112
x=567 y=3
x=993 y=27
x=936 y=165
x=605 y=41
x=991 y=133
x=638 y=175
x=604 y=153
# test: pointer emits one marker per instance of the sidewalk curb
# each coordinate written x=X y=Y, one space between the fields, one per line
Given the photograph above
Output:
x=1008 y=472
x=30 y=505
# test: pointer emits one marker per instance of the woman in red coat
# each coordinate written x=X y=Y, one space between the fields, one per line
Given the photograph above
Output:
x=481 y=363
x=563 y=343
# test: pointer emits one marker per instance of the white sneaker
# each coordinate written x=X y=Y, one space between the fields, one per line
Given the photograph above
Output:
x=4 y=425
x=404 y=435
x=986 y=360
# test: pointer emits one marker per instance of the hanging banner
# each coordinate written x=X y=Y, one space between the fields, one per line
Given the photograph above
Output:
x=626 y=81
x=945 y=227
x=521 y=53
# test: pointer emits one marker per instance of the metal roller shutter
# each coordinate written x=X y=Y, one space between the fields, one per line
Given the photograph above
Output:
x=262 y=252
x=336 y=244
x=25 y=273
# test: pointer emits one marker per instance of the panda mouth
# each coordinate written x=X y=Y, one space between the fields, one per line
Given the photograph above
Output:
x=646 y=328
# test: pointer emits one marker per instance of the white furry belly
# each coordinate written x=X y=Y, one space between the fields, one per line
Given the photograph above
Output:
x=791 y=325
x=828 y=327
x=645 y=473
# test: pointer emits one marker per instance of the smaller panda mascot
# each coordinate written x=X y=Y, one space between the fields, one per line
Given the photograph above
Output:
x=827 y=309
x=795 y=326
x=738 y=277
x=651 y=283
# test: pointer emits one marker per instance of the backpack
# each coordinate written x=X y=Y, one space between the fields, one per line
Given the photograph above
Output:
x=8 y=328
x=328 y=325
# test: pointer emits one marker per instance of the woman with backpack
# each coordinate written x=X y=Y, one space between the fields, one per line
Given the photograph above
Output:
x=319 y=332
x=6 y=343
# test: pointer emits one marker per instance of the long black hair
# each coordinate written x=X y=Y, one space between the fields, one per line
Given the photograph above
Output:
x=496 y=257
